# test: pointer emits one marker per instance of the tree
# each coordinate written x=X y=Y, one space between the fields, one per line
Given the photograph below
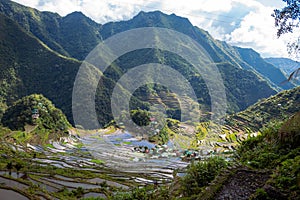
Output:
x=9 y=166
x=18 y=167
x=140 y=117
x=287 y=19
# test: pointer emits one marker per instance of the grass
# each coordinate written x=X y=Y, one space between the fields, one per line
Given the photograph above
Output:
x=49 y=145
x=110 y=130
x=127 y=143
x=183 y=141
x=79 y=145
x=97 y=161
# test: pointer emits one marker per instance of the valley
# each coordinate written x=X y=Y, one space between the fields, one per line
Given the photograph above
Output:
x=112 y=155
x=233 y=138
x=88 y=165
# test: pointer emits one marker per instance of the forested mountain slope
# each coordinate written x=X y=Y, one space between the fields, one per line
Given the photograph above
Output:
x=33 y=43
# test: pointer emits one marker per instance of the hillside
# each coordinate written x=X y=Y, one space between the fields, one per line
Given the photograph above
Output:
x=34 y=119
x=219 y=51
x=74 y=35
x=268 y=70
x=28 y=66
x=266 y=167
x=237 y=89
x=278 y=107
x=255 y=154
x=35 y=110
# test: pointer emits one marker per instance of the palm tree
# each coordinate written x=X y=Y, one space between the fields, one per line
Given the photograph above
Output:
x=18 y=166
x=9 y=166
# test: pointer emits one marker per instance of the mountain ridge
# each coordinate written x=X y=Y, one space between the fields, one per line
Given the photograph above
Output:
x=268 y=70
x=287 y=66
x=50 y=28
x=76 y=34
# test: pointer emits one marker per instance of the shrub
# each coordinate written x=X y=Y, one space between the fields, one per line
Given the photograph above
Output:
x=140 y=117
x=288 y=174
x=261 y=151
x=200 y=174
x=260 y=194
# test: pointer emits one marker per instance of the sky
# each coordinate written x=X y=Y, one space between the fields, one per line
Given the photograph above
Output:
x=244 y=23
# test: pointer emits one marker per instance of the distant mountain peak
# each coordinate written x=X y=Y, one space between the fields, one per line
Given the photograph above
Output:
x=160 y=14
x=248 y=50
x=76 y=13
x=79 y=16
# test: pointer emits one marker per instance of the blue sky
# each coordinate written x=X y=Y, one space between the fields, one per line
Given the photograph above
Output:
x=244 y=23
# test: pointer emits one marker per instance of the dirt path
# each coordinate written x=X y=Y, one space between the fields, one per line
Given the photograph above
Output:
x=242 y=184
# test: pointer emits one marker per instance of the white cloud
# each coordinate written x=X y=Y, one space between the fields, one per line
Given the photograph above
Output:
x=257 y=30
x=61 y=7
x=245 y=23
x=30 y=3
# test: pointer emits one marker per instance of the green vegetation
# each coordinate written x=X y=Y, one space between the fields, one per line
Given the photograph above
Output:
x=287 y=65
x=200 y=174
x=277 y=107
x=49 y=145
x=38 y=52
x=162 y=137
x=145 y=193
x=34 y=119
x=74 y=35
x=35 y=110
x=29 y=62
x=277 y=150
x=201 y=132
x=127 y=143
x=262 y=151
x=274 y=74
x=97 y=161
x=28 y=67
x=272 y=158
x=140 y=117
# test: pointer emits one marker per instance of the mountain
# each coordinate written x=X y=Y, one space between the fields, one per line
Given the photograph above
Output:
x=219 y=51
x=74 y=35
x=269 y=71
x=278 y=107
x=239 y=82
x=40 y=52
x=28 y=66
x=286 y=65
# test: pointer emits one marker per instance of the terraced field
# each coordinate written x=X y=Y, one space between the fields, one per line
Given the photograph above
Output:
x=100 y=164
x=94 y=165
